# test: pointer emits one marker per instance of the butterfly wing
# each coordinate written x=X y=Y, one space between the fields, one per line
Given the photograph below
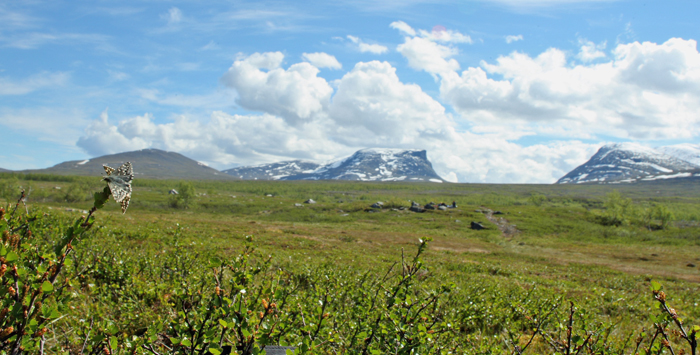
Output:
x=126 y=171
x=108 y=169
x=121 y=191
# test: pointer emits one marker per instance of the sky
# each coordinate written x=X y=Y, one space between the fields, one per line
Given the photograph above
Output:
x=496 y=91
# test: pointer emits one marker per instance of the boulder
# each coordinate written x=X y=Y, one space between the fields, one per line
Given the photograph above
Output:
x=309 y=201
x=415 y=207
x=430 y=206
x=298 y=205
x=378 y=205
x=497 y=212
x=442 y=208
x=477 y=226
x=173 y=192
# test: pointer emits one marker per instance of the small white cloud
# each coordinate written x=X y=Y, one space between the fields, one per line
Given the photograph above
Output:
x=173 y=16
x=425 y=53
x=366 y=47
x=322 y=60
x=513 y=38
x=403 y=27
x=590 y=51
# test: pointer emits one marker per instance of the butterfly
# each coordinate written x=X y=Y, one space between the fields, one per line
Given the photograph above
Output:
x=119 y=182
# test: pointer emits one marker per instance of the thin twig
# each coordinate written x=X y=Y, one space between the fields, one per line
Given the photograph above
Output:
x=92 y=320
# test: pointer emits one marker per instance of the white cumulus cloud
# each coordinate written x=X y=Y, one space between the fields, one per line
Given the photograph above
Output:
x=646 y=91
x=322 y=60
x=373 y=105
x=297 y=94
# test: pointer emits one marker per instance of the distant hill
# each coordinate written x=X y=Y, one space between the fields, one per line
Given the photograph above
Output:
x=149 y=163
x=629 y=162
x=364 y=165
x=4 y=170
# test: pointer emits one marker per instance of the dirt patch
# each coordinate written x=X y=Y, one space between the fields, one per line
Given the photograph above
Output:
x=462 y=250
x=507 y=229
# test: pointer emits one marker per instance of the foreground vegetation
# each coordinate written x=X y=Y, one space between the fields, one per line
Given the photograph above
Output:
x=235 y=266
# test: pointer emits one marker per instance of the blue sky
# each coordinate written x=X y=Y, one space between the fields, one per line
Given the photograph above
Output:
x=494 y=90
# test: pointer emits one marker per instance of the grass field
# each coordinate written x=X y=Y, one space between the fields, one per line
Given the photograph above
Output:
x=549 y=245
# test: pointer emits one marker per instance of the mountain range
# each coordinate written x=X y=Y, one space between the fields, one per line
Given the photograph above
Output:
x=612 y=163
x=630 y=162
x=364 y=165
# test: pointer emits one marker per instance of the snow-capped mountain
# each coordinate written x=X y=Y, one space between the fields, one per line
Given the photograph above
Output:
x=630 y=162
x=364 y=165
x=274 y=171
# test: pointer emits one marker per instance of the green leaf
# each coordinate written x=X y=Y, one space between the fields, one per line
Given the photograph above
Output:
x=175 y=341
x=112 y=329
x=54 y=314
x=102 y=197
x=223 y=323
x=655 y=286
x=46 y=286
x=214 y=262
x=186 y=342
x=113 y=342
x=215 y=351
x=98 y=338
x=11 y=256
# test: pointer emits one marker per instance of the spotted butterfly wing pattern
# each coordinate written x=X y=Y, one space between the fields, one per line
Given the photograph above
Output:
x=119 y=182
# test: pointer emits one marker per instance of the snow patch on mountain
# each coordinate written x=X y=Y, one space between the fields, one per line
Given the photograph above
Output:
x=688 y=152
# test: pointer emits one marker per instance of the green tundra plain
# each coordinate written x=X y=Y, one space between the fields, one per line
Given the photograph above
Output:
x=235 y=266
